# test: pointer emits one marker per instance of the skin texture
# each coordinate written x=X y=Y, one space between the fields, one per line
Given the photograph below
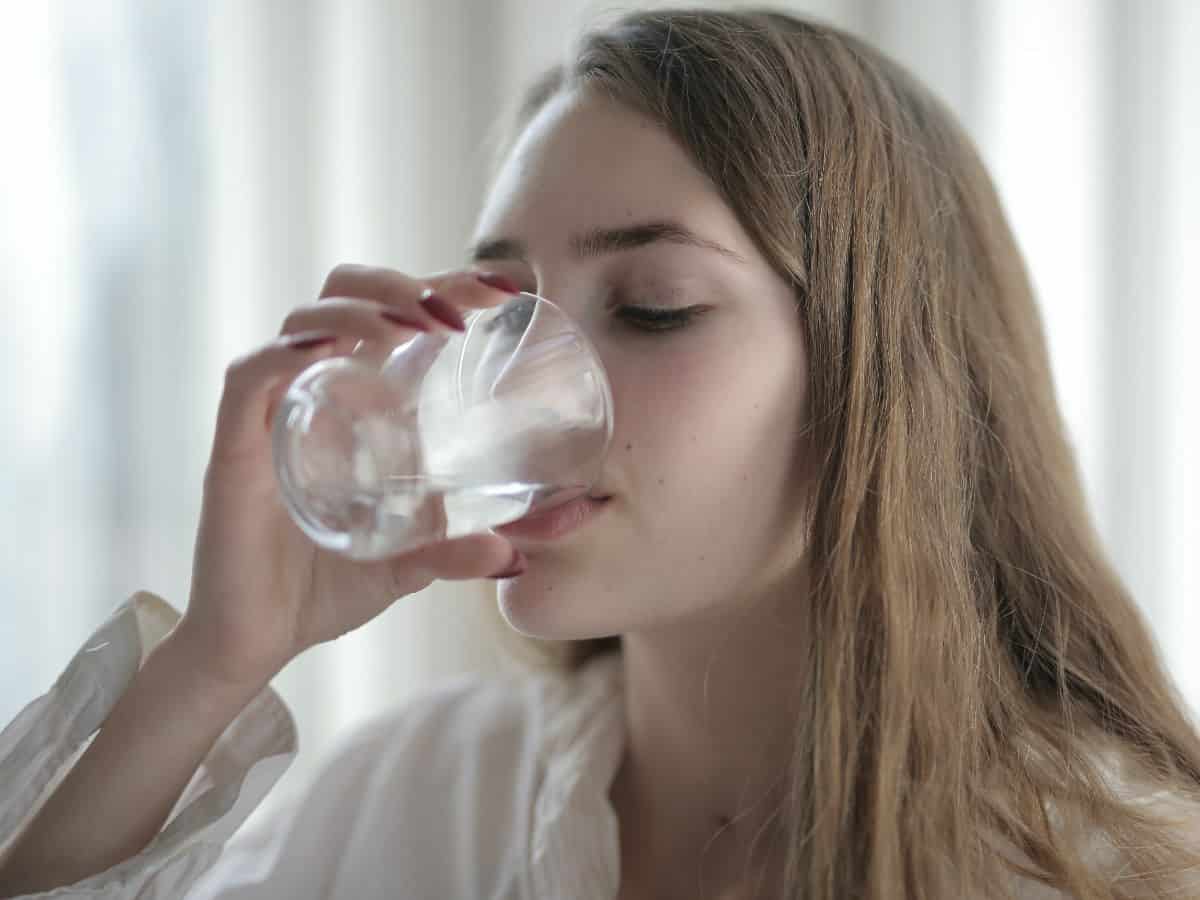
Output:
x=697 y=558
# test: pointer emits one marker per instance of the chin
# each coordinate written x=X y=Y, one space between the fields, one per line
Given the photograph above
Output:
x=551 y=610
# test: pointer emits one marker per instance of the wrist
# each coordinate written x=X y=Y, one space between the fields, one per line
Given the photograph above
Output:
x=185 y=654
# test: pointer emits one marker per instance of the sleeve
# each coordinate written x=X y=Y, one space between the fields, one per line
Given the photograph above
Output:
x=410 y=803
x=46 y=738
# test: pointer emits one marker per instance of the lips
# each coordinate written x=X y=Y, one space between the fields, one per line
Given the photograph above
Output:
x=557 y=522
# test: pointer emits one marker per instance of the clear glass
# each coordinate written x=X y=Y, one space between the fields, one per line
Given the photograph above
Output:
x=454 y=433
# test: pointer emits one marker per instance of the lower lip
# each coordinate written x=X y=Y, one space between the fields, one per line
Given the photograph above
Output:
x=554 y=523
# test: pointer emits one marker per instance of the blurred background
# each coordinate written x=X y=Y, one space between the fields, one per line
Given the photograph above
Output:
x=175 y=175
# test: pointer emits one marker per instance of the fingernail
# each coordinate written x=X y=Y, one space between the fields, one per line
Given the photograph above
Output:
x=308 y=343
x=499 y=282
x=443 y=312
x=515 y=566
x=397 y=319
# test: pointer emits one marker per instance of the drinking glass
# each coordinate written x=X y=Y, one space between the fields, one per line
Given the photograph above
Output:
x=454 y=433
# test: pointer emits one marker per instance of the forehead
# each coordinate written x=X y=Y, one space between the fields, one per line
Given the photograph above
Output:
x=587 y=160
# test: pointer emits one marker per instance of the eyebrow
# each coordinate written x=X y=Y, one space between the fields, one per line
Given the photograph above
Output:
x=601 y=241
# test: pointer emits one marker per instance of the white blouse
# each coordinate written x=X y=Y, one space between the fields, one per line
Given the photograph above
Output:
x=484 y=787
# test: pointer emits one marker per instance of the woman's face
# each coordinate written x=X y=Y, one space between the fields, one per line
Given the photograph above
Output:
x=705 y=466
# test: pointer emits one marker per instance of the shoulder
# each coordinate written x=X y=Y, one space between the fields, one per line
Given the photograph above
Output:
x=1171 y=812
x=445 y=785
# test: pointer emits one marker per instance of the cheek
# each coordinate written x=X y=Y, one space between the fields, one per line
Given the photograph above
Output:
x=705 y=422
x=664 y=399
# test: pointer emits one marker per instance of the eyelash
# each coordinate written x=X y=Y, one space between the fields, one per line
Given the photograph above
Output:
x=651 y=319
x=642 y=318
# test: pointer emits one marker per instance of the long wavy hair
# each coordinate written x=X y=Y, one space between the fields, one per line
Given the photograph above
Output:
x=984 y=706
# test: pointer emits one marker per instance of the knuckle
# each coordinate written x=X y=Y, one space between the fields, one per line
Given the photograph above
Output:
x=244 y=365
x=290 y=322
x=337 y=276
x=236 y=370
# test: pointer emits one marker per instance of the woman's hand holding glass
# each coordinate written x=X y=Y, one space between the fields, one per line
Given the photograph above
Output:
x=262 y=592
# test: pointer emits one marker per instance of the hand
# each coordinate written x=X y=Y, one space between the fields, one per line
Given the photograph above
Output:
x=262 y=592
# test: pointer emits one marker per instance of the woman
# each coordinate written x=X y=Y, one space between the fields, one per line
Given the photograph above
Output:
x=837 y=625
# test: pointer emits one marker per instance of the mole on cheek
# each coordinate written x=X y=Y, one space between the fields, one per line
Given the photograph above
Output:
x=629 y=446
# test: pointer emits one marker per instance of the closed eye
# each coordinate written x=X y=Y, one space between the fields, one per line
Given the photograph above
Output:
x=649 y=318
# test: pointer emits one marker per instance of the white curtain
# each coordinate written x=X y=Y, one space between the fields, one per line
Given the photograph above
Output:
x=175 y=176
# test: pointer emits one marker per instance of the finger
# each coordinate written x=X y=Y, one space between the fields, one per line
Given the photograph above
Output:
x=471 y=556
x=461 y=288
x=373 y=282
x=474 y=289
x=365 y=319
x=255 y=382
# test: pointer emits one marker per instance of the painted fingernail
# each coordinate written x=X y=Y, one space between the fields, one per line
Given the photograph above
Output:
x=308 y=343
x=499 y=282
x=443 y=312
x=396 y=319
x=515 y=566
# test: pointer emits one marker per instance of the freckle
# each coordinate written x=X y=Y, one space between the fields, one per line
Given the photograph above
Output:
x=660 y=481
x=629 y=446
x=701 y=557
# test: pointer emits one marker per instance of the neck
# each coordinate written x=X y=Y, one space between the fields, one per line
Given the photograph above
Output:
x=710 y=716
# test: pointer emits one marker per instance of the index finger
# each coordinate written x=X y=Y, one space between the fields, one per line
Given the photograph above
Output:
x=468 y=288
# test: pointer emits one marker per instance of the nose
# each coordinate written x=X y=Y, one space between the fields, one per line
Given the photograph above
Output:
x=547 y=346
x=563 y=287
x=576 y=293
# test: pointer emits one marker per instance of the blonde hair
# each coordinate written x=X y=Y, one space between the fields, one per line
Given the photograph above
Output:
x=980 y=674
